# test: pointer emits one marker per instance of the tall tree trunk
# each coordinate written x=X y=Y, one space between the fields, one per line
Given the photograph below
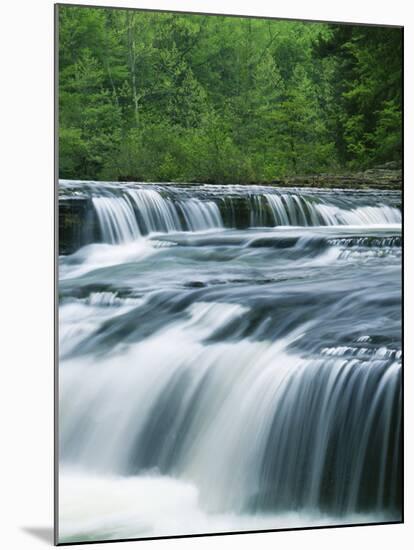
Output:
x=132 y=62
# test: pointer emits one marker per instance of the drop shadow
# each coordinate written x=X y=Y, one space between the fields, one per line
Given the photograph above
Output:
x=43 y=533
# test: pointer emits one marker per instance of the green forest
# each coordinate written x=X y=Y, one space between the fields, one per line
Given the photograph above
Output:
x=148 y=96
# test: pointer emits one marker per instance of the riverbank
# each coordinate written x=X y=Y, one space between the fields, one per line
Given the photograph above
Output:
x=386 y=177
x=375 y=178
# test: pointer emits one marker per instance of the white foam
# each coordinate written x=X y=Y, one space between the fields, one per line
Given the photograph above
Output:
x=93 y=507
x=97 y=256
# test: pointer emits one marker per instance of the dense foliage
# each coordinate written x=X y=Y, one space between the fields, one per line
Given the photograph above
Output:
x=165 y=97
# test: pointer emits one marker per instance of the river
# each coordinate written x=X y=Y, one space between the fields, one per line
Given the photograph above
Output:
x=230 y=360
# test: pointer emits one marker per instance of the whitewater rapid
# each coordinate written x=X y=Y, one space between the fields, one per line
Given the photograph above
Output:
x=230 y=359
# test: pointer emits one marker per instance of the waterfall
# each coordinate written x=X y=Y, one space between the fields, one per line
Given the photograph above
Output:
x=300 y=211
x=233 y=354
x=273 y=418
x=116 y=219
x=156 y=214
x=126 y=212
x=278 y=208
x=124 y=217
x=366 y=215
x=200 y=215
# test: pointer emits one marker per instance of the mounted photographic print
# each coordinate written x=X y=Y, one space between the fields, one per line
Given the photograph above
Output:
x=229 y=240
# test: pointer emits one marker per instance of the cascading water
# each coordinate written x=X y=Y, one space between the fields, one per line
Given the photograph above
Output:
x=116 y=219
x=230 y=359
x=124 y=216
x=125 y=211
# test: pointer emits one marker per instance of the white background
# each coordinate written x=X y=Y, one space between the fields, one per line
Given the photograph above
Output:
x=26 y=271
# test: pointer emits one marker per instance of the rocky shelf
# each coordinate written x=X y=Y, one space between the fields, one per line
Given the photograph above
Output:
x=386 y=177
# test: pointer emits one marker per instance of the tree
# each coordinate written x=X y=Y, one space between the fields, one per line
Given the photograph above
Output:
x=159 y=96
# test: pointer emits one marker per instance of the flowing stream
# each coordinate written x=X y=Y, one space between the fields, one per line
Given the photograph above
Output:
x=230 y=359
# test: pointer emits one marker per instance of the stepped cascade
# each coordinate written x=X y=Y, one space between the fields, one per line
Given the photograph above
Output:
x=231 y=352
